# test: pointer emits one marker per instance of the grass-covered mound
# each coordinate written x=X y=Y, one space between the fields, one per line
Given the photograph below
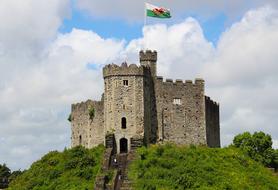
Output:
x=72 y=169
x=171 y=167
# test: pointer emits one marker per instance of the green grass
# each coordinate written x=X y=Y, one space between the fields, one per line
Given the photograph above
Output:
x=73 y=169
x=167 y=167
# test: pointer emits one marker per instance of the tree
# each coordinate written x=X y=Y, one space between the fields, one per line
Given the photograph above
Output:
x=14 y=175
x=259 y=147
x=5 y=173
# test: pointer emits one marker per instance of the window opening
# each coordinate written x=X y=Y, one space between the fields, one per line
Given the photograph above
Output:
x=177 y=101
x=123 y=123
x=125 y=82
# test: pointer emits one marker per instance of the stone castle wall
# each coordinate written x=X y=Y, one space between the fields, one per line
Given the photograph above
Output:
x=154 y=110
x=213 y=123
x=87 y=131
x=181 y=111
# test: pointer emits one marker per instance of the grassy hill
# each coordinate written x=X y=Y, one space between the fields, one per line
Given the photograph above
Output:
x=73 y=169
x=158 y=167
x=171 y=167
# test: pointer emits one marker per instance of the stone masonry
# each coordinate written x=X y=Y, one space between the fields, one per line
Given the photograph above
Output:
x=138 y=107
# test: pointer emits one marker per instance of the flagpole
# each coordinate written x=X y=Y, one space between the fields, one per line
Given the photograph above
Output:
x=145 y=17
x=145 y=22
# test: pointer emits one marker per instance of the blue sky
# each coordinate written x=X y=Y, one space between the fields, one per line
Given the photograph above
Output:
x=119 y=28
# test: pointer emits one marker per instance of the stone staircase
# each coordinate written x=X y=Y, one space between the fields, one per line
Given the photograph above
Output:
x=121 y=181
x=118 y=162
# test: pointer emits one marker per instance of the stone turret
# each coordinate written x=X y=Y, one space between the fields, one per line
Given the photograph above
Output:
x=148 y=58
x=124 y=103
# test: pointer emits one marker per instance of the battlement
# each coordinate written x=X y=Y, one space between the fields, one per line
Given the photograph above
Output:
x=198 y=81
x=148 y=55
x=123 y=70
x=210 y=101
x=83 y=106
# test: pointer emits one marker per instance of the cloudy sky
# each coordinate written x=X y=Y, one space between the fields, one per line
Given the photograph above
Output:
x=52 y=52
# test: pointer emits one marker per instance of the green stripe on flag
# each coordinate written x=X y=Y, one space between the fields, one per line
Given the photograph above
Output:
x=165 y=14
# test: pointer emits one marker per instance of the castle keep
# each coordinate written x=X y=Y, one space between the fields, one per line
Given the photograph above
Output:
x=138 y=107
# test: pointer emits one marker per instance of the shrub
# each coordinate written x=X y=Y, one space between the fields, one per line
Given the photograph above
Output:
x=91 y=111
x=74 y=168
x=258 y=146
x=70 y=118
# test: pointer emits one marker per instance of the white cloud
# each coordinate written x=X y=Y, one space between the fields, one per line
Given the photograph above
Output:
x=242 y=75
x=38 y=101
x=37 y=87
x=42 y=73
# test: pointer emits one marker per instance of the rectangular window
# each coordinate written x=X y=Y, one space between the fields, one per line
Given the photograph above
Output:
x=177 y=101
x=125 y=82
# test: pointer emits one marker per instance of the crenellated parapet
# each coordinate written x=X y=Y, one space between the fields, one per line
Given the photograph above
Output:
x=83 y=106
x=197 y=82
x=123 y=70
x=211 y=102
x=148 y=55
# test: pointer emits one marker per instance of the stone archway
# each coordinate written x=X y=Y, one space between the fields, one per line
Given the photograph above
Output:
x=123 y=145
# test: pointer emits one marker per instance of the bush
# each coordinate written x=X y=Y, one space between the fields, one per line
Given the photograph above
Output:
x=70 y=118
x=259 y=147
x=91 y=111
x=5 y=173
x=71 y=169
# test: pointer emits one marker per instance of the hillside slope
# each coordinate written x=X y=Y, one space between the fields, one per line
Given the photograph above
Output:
x=171 y=167
x=73 y=169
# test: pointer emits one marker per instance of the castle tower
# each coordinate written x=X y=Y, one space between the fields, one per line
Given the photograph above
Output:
x=124 y=104
x=148 y=58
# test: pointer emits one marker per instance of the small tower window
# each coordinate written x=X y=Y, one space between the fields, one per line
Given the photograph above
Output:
x=125 y=82
x=177 y=101
x=80 y=140
x=123 y=123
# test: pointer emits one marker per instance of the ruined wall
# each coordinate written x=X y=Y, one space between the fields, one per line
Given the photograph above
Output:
x=212 y=123
x=182 y=123
x=87 y=131
x=124 y=101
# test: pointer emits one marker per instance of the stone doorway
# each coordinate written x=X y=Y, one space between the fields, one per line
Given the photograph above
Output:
x=123 y=145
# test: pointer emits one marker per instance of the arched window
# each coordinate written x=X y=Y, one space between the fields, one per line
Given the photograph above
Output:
x=80 y=140
x=123 y=123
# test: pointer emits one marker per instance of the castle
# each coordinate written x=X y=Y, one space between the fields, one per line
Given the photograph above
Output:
x=138 y=107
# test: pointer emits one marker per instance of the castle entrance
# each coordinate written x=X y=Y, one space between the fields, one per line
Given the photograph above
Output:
x=123 y=145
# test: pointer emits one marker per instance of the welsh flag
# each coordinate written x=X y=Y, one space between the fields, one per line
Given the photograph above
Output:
x=158 y=12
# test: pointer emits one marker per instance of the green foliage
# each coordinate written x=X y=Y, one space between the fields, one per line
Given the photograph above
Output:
x=14 y=175
x=91 y=111
x=168 y=167
x=5 y=173
x=258 y=146
x=72 y=169
x=70 y=118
